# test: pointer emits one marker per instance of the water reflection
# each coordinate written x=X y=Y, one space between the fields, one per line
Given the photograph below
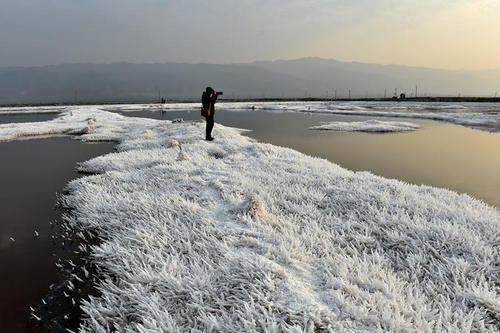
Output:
x=25 y=118
x=31 y=173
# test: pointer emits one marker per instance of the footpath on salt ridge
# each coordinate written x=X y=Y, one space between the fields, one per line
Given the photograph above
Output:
x=238 y=236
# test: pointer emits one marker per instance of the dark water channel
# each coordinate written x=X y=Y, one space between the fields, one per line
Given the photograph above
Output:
x=31 y=173
x=25 y=118
x=438 y=154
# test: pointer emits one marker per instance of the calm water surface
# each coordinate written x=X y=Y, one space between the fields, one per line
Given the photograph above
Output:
x=31 y=173
x=25 y=118
x=439 y=154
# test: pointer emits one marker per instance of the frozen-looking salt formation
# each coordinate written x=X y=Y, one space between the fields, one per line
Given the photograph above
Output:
x=367 y=126
x=250 y=237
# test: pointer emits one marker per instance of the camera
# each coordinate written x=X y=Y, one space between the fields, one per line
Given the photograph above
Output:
x=219 y=93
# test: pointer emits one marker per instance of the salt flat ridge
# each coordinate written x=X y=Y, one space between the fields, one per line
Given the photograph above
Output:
x=234 y=235
x=371 y=126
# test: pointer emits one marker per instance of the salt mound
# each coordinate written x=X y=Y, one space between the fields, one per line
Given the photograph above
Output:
x=255 y=207
x=368 y=126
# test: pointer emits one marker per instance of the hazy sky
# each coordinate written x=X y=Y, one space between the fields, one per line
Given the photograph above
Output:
x=432 y=33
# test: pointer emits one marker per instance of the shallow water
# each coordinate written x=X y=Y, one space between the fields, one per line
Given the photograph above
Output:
x=25 y=118
x=31 y=173
x=438 y=154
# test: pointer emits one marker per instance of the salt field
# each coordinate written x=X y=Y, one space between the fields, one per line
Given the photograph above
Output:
x=238 y=235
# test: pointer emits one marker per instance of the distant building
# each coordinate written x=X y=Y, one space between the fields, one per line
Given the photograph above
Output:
x=402 y=96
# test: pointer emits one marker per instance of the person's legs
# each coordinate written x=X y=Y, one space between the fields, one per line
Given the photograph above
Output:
x=210 y=126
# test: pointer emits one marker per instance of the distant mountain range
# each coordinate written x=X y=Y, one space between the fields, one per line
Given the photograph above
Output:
x=307 y=77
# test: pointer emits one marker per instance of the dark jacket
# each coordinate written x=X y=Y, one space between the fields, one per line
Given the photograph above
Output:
x=208 y=100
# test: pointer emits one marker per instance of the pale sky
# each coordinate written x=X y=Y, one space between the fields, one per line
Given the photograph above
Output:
x=453 y=34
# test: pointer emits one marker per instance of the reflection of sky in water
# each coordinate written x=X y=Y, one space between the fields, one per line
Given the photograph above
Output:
x=438 y=154
x=19 y=118
x=31 y=173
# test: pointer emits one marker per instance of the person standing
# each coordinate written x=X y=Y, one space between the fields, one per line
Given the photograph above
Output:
x=208 y=99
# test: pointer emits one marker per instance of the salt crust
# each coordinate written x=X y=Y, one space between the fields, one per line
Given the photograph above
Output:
x=371 y=126
x=245 y=236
